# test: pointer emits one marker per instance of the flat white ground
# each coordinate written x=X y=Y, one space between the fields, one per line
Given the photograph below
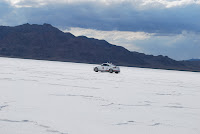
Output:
x=45 y=97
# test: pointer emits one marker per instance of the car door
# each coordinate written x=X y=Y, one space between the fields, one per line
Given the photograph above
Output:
x=104 y=67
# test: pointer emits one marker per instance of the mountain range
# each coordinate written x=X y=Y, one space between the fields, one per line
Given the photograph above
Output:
x=45 y=42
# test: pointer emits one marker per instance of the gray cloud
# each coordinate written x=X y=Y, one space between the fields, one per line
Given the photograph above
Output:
x=119 y=16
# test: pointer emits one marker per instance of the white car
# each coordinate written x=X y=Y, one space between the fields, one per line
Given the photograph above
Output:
x=107 y=67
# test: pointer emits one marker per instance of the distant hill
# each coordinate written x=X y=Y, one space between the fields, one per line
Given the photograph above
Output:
x=195 y=63
x=193 y=60
x=46 y=42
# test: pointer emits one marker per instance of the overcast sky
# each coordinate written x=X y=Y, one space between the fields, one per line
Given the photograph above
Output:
x=158 y=27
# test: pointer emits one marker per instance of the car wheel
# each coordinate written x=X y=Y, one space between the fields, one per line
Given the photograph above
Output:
x=110 y=70
x=116 y=72
x=96 y=69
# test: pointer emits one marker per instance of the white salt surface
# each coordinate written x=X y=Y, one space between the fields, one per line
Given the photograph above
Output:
x=46 y=97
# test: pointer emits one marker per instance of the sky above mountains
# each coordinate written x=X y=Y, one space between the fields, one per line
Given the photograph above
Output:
x=158 y=27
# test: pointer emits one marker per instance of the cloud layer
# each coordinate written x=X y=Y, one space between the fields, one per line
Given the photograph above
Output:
x=136 y=3
x=122 y=15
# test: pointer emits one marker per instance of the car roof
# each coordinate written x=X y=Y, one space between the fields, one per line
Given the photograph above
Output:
x=109 y=64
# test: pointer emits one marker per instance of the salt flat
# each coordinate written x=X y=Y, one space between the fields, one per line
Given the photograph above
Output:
x=47 y=97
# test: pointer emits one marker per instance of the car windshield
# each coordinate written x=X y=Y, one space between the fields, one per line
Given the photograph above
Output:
x=105 y=65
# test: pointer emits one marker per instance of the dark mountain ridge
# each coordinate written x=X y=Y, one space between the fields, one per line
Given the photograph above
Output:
x=46 y=42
